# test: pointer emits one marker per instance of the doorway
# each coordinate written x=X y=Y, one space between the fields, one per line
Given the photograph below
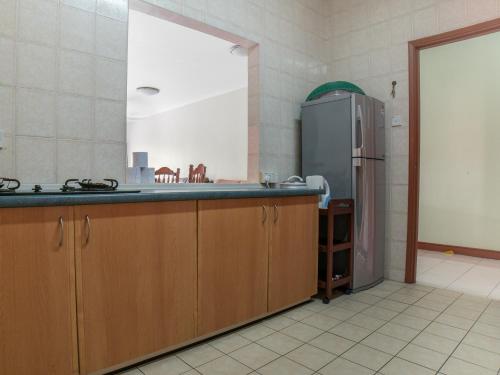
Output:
x=452 y=204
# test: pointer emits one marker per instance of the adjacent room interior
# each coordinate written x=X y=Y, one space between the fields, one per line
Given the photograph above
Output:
x=187 y=101
x=459 y=205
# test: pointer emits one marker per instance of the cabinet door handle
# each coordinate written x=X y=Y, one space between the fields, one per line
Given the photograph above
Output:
x=276 y=213
x=87 y=221
x=61 y=231
x=264 y=214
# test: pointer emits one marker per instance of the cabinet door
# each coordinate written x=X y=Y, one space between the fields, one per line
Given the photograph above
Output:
x=293 y=258
x=232 y=261
x=136 y=270
x=37 y=296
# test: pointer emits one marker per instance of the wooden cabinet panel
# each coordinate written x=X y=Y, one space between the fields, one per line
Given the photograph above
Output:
x=293 y=251
x=37 y=296
x=136 y=280
x=232 y=262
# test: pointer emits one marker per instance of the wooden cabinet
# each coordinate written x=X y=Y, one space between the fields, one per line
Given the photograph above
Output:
x=136 y=271
x=232 y=262
x=37 y=297
x=293 y=254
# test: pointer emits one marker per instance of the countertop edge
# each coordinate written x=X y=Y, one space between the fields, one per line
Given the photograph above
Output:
x=82 y=199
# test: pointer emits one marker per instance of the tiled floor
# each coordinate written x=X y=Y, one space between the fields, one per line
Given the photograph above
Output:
x=391 y=329
x=476 y=276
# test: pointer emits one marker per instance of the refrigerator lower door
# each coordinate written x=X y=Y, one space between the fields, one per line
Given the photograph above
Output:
x=368 y=257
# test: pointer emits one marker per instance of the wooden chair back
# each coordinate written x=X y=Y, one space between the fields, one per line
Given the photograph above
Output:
x=197 y=175
x=165 y=175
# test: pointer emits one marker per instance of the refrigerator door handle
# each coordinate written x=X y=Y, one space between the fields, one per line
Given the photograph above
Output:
x=357 y=151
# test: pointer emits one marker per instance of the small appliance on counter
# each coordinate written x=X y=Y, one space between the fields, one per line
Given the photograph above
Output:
x=293 y=182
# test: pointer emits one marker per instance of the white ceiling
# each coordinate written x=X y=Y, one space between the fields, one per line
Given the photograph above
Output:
x=185 y=64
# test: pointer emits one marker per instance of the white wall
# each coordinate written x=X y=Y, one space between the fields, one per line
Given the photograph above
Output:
x=212 y=131
x=460 y=141
x=367 y=43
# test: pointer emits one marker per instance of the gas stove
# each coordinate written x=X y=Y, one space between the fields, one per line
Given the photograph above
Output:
x=10 y=186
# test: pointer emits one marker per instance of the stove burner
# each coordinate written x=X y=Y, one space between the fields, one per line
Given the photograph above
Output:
x=74 y=184
x=12 y=185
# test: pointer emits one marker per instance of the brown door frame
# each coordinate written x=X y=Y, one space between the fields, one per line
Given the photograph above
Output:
x=414 y=48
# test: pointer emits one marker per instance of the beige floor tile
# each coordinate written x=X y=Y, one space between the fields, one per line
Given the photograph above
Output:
x=229 y=343
x=191 y=372
x=447 y=331
x=352 y=305
x=254 y=356
x=284 y=366
x=311 y=357
x=338 y=313
x=321 y=321
x=351 y=332
x=386 y=344
x=431 y=304
x=423 y=356
x=454 y=366
x=224 y=366
x=411 y=321
x=278 y=322
x=316 y=305
x=398 y=366
x=486 y=329
x=490 y=319
x=298 y=313
x=463 y=312
x=302 y=332
x=199 y=355
x=366 y=321
x=420 y=312
x=342 y=366
x=367 y=357
x=455 y=321
x=132 y=371
x=380 y=292
x=393 y=305
x=478 y=356
x=437 y=343
x=165 y=366
x=404 y=298
x=484 y=342
x=255 y=332
x=398 y=331
x=280 y=343
x=378 y=312
x=332 y=343
x=365 y=297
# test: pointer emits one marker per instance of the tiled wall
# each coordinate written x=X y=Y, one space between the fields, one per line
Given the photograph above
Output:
x=63 y=88
x=367 y=41
x=293 y=61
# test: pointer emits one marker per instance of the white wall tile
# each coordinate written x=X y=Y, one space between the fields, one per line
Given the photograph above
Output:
x=380 y=62
x=88 y=5
x=77 y=29
x=110 y=121
x=7 y=109
x=401 y=29
x=110 y=161
x=399 y=142
x=76 y=73
x=7 y=157
x=41 y=74
x=8 y=17
x=35 y=113
x=117 y=9
x=7 y=62
x=75 y=117
x=38 y=21
x=483 y=10
x=35 y=160
x=111 y=79
x=111 y=38
x=67 y=152
x=451 y=14
x=399 y=198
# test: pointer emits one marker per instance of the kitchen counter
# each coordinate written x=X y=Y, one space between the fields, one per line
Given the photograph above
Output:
x=152 y=193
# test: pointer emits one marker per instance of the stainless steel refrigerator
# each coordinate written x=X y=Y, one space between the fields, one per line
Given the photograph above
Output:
x=343 y=139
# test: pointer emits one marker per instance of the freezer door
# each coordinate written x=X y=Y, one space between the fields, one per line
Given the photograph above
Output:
x=363 y=126
x=368 y=260
x=326 y=143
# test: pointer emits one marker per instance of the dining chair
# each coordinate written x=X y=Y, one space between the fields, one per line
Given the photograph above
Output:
x=165 y=175
x=197 y=175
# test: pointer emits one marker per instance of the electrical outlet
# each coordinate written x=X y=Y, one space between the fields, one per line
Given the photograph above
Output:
x=397 y=120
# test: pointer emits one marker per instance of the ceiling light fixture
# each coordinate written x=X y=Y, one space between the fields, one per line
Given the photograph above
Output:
x=238 y=50
x=148 y=90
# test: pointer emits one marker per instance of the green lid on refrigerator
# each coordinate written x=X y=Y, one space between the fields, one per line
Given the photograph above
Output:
x=329 y=87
